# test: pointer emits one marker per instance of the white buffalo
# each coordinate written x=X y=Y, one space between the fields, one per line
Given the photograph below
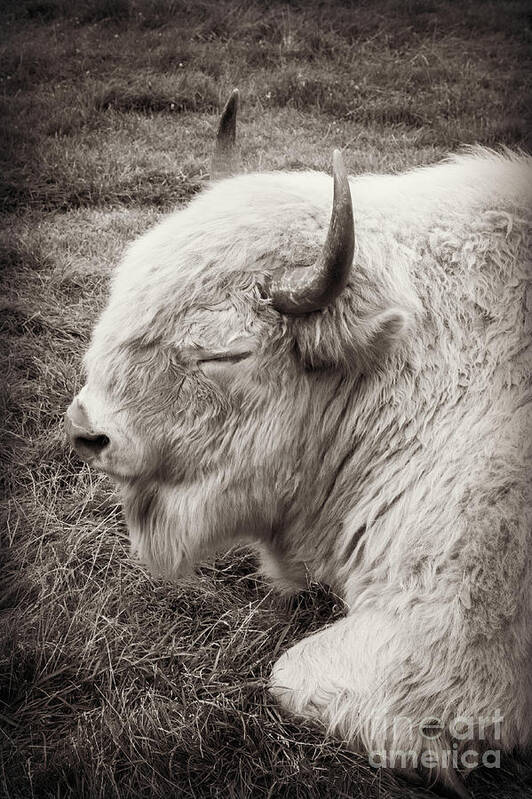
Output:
x=349 y=392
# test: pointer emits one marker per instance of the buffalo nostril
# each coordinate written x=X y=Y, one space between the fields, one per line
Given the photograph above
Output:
x=90 y=445
x=87 y=442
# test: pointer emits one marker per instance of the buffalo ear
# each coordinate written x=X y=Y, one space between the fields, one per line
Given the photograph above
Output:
x=383 y=334
x=354 y=343
x=390 y=329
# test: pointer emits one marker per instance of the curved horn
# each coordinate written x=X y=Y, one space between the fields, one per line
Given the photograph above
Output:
x=301 y=290
x=223 y=158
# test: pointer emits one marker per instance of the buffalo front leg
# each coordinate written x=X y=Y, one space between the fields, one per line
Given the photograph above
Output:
x=381 y=685
x=332 y=675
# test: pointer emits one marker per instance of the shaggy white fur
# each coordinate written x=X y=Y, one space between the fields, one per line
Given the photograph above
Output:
x=381 y=445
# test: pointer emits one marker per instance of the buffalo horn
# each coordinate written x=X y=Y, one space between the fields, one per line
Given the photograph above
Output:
x=223 y=159
x=300 y=290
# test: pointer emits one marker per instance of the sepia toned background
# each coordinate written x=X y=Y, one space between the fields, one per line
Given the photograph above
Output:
x=112 y=683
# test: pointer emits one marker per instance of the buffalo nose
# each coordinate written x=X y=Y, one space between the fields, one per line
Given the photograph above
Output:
x=87 y=442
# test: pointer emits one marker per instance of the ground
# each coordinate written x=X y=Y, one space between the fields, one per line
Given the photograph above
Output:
x=113 y=683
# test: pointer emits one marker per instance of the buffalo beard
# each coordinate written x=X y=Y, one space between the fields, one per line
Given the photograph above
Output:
x=172 y=528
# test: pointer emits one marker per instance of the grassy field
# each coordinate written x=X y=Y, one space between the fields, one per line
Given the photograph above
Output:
x=113 y=684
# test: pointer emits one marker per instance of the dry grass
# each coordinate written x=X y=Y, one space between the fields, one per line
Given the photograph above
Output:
x=112 y=684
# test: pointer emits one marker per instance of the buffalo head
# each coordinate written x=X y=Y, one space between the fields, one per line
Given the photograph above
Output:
x=214 y=372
